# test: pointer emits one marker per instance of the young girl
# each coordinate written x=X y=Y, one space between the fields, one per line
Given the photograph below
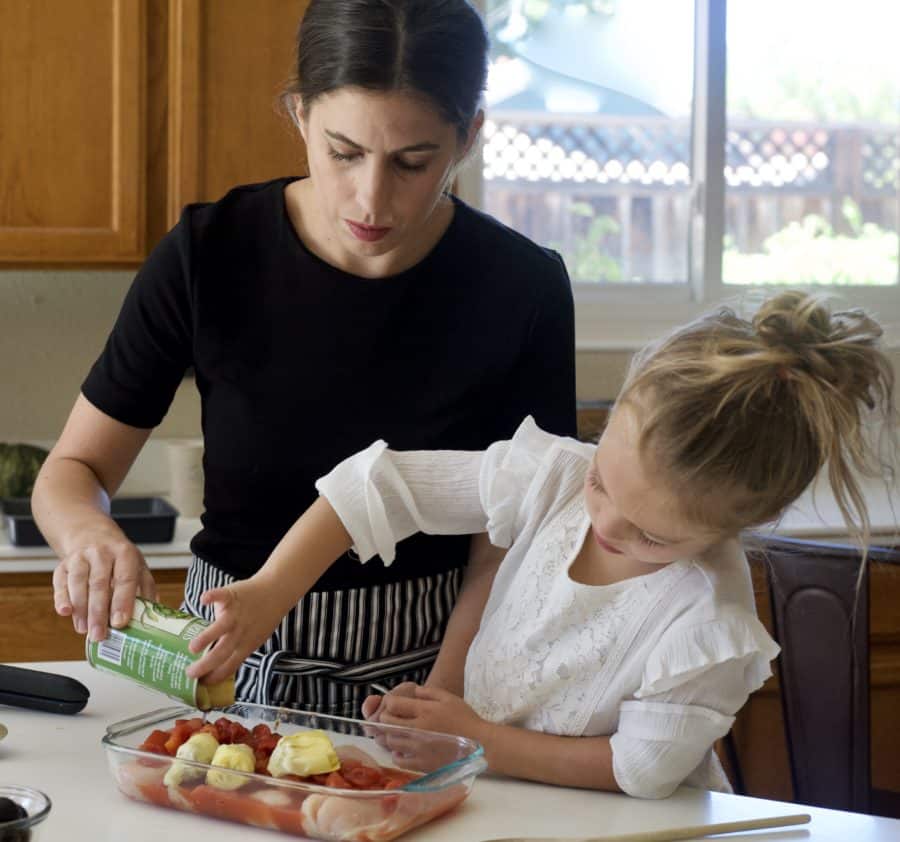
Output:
x=619 y=637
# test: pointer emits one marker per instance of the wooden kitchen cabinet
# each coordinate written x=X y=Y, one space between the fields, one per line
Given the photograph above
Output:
x=228 y=62
x=759 y=729
x=117 y=113
x=30 y=630
x=72 y=115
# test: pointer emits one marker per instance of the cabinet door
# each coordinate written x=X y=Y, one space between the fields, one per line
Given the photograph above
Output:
x=228 y=63
x=71 y=131
x=30 y=630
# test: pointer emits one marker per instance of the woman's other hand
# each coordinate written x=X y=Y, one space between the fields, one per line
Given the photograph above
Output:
x=96 y=583
x=100 y=570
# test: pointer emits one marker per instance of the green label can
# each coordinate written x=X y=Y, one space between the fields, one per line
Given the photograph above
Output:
x=152 y=650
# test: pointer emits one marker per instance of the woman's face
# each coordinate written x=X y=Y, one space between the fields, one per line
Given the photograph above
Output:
x=378 y=162
x=634 y=516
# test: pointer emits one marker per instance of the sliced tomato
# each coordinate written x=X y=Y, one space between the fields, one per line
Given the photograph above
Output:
x=231 y=731
x=177 y=736
x=234 y=805
x=195 y=724
x=336 y=781
x=155 y=793
x=267 y=743
x=288 y=819
x=223 y=729
x=239 y=734
x=364 y=777
x=260 y=731
x=156 y=742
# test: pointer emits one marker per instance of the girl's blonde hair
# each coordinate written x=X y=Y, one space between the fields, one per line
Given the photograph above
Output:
x=740 y=415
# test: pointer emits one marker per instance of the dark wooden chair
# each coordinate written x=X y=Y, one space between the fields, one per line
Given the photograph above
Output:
x=820 y=612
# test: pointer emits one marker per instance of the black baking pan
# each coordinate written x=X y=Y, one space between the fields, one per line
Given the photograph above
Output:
x=145 y=520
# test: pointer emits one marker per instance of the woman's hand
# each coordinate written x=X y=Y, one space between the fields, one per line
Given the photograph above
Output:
x=244 y=620
x=96 y=583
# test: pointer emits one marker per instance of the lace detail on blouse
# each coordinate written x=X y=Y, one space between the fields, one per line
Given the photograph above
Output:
x=535 y=660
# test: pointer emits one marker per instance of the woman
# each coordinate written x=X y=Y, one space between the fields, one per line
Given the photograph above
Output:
x=320 y=313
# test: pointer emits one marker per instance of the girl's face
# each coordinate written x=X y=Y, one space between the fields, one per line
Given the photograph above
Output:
x=634 y=516
x=378 y=162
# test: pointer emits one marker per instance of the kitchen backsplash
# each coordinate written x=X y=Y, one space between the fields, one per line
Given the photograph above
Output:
x=149 y=476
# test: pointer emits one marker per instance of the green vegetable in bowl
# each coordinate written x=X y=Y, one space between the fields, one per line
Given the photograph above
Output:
x=19 y=466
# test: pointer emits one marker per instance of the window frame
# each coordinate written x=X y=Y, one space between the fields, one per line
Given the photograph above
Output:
x=625 y=317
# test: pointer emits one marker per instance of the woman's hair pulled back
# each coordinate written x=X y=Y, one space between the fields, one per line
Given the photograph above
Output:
x=748 y=411
x=436 y=49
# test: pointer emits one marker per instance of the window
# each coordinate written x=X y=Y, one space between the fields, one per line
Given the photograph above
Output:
x=812 y=158
x=612 y=137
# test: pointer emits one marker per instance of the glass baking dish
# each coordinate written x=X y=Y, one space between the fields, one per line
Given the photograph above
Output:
x=438 y=769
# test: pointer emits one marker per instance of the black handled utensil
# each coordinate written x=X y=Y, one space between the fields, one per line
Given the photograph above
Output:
x=45 y=691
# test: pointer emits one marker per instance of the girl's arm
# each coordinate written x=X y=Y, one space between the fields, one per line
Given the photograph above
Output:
x=484 y=559
x=372 y=500
x=247 y=612
x=565 y=761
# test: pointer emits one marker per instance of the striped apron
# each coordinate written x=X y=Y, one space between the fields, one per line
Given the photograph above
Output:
x=334 y=648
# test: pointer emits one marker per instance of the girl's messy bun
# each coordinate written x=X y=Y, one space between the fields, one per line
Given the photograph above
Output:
x=835 y=348
x=750 y=410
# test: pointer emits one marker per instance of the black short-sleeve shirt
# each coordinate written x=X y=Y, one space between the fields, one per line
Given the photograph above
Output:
x=299 y=364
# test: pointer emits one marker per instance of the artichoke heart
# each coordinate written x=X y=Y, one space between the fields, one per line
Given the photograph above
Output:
x=201 y=747
x=304 y=753
x=235 y=756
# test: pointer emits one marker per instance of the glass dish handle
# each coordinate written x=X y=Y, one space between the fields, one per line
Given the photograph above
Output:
x=452 y=773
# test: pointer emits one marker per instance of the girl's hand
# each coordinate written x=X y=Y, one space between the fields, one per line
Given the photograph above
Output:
x=430 y=709
x=374 y=704
x=96 y=583
x=244 y=620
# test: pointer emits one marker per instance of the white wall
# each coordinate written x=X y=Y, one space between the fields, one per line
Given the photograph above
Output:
x=53 y=325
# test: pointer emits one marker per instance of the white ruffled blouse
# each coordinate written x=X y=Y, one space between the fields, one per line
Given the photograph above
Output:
x=660 y=663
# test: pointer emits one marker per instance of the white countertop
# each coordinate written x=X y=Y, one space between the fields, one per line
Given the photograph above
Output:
x=62 y=756
x=816 y=514
x=171 y=555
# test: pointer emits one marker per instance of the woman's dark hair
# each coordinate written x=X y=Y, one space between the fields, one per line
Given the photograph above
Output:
x=436 y=49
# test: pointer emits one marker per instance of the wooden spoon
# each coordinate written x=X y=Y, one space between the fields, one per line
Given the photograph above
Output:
x=670 y=834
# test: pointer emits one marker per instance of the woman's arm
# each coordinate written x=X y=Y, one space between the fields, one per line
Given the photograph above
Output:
x=100 y=570
x=448 y=669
